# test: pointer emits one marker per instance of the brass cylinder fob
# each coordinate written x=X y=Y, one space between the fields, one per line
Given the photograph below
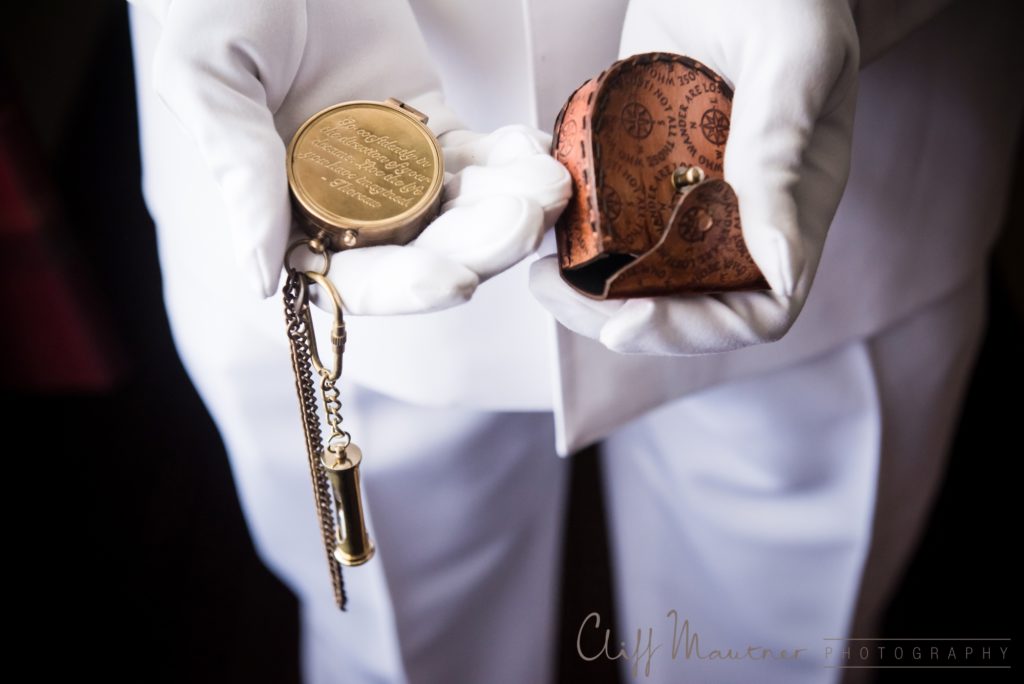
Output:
x=365 y=173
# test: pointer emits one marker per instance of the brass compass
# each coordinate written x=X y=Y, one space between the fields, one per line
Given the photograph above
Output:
x=365 y=173
x=361 y=173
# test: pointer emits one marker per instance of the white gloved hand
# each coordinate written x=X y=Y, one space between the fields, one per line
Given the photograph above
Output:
x=228 y=69
x=793 y=65
x=502 y=191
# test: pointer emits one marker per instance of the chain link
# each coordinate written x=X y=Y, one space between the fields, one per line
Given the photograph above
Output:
x=296 y=306
x=339 y=438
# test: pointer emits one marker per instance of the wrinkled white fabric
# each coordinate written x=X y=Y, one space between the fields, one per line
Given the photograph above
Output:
x=224 y=69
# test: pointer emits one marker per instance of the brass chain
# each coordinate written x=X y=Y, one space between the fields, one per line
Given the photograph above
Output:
x=339 y=439
x=296 y=308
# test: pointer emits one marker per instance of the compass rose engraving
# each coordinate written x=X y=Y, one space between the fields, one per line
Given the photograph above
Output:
x=637 y=120
x=715 y=126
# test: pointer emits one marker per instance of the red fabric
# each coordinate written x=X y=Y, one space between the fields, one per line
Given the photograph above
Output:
x=51 y=337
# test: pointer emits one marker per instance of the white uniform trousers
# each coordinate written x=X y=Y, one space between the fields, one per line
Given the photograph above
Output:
x=749 y=509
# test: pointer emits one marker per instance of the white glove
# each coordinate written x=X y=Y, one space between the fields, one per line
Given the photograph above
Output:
x=234 y=73
x=502 y=191
x=793 y=65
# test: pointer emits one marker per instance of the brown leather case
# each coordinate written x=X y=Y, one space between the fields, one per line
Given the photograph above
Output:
x=628 y=232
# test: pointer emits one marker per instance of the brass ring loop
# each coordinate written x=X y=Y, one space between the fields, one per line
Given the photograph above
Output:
x=308 y=243
x=337 y=332
x=323 y=281
x=339 y=442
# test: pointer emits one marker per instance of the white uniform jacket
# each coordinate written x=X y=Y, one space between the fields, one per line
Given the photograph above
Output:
x=937 y=111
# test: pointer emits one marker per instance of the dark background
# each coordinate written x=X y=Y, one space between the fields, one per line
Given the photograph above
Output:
x=136 y=540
